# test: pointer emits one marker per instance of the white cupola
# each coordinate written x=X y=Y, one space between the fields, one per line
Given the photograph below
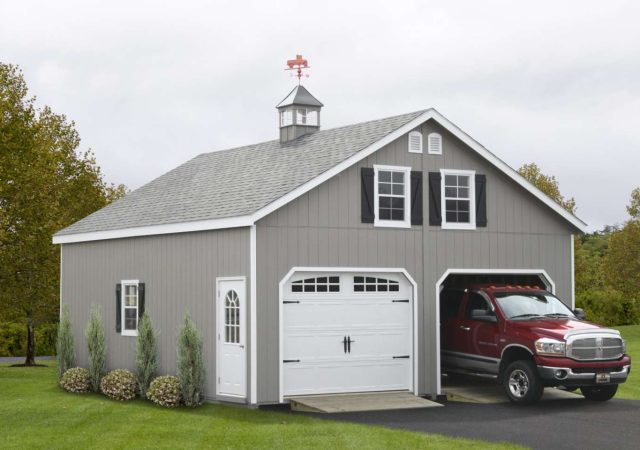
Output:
x=299 y=114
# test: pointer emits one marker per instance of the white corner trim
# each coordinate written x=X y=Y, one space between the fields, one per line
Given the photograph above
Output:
x=403 y=271
x=253 y=331
x=472 y=200
x=170 y=228
x=552 y=286
x=573 y=273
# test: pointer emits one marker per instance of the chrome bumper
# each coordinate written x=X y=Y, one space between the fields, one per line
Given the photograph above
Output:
x=564 y=375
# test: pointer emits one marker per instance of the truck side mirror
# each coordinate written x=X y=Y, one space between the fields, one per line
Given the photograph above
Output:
x=579 y=313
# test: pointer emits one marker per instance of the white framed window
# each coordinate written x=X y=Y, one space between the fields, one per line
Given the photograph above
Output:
x=130 y=305
x=434 y=144
x=458 y=199
x=232 y=317
x=392 y=204
x=415 y=142
x=286 y=117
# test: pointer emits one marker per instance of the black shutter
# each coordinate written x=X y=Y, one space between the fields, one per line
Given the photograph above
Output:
x=416 y=198
x=481 y=200
x=366 y=200
x=140 y=300
x=435 y=207
x=118 y=308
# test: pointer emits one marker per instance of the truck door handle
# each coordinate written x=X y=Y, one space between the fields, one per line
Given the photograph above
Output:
x=462 y=327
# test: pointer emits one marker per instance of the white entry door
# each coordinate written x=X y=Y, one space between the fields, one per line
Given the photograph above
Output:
x=347 y=332
x=232 y=361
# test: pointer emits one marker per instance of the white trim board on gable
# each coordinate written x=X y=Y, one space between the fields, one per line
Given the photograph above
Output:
x=248 y=220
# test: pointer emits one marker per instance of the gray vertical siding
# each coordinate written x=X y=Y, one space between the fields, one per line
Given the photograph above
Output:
x=180 y=273
x=323 y=228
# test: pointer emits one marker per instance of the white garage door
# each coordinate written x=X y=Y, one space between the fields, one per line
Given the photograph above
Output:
x=347 y=332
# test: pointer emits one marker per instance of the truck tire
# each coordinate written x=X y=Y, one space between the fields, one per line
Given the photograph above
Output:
x=599 y=393
x=522 y=384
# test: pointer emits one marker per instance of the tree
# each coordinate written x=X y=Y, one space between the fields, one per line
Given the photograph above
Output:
x=190 y=363
x=65 y=351
x=45 y=185
x=97 y=348
x=622 y=263
x=146 y=354
x=547 y=184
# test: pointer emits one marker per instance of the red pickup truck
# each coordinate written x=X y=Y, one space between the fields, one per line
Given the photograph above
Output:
x=529 y=339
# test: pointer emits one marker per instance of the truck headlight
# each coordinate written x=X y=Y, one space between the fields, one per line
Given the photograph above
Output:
x=552 y=347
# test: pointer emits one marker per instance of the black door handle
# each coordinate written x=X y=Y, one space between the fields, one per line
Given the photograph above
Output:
x=349 y=341
x=344 y=343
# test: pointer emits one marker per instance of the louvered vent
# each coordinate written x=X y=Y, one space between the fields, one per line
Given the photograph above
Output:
x=415 y=142
x=435 y=143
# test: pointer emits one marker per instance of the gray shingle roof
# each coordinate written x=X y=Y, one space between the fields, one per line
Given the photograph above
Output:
x=299 y=96
x=236 y=182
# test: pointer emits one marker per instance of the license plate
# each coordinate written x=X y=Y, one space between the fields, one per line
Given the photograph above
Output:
x=603 y=378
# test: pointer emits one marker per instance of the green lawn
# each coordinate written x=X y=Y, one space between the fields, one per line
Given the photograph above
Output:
x=631 y=389
x=35 y=413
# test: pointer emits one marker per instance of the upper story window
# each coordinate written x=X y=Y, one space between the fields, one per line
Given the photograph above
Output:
x=391 y=196
x=130 y=305
x=319 y=284
x=286 y=117
x=306 y=116
x=458 y=199
x=415 y=142
x=434 y=144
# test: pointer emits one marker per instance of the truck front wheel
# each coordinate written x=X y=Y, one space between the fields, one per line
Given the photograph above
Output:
x=522 y=383
x=599 y=393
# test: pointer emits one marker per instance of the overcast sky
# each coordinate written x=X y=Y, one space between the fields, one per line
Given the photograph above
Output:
x=151 y=84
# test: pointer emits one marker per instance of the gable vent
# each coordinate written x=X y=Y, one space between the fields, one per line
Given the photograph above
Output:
x=435 y=144
x=415 y=142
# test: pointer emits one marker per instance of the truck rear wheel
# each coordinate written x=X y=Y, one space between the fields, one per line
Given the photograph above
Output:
x=599 y=393
x=522 y=383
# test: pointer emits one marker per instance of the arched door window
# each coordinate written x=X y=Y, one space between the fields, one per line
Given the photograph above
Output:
x=232 y=318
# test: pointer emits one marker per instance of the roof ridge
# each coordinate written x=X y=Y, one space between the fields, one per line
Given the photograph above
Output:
x=321 y=131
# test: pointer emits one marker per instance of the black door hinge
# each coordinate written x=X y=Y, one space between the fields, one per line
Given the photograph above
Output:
x=401 y=357
x=290 y=360
x=400 y=301
x=291 y=301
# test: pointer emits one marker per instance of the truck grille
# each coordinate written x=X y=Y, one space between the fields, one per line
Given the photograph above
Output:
x=595 y=348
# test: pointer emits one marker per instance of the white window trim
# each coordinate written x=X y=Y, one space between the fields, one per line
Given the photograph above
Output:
x=429 y=148
x=406 y=223
x=418 y=134
x=123 y=330
x=472 y=200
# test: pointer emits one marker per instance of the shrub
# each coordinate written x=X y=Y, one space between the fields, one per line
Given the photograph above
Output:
x=119 y=384
x=609 y=307
x=76 y=380
x=165 y=391
x=65 y=352
x=146 y=354
x=97 y=348
x=190 y=363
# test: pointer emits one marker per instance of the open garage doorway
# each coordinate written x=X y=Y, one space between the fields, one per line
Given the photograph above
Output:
x=450 y=290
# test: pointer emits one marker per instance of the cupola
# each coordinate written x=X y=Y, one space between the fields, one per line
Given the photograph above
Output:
x=299 y=112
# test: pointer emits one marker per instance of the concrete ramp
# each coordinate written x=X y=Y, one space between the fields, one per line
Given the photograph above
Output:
x=495 y=394
x=376 y=401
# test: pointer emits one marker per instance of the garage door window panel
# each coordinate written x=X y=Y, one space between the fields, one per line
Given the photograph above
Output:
x=317 y=284
x=458 y=198
x=374 y=284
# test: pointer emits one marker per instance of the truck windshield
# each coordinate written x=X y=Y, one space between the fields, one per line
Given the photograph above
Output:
x=530 y=305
